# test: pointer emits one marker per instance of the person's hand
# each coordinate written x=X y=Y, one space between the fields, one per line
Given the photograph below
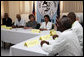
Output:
x=14 y=26
x=26 y=27
x=20 y=26
x=55 y=36
x=30 y=28
x=42 y=42
x=42 y=29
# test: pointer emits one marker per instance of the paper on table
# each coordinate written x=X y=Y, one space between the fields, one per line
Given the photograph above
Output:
x=35 y=30
x=3 y=26
x=52 y=32
x=9 y=28
x=31 y=43
x=46 y=37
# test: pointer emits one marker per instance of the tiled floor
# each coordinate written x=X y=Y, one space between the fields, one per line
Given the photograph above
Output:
x=5 y=52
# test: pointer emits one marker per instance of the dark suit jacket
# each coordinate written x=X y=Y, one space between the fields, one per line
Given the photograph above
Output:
x=7 y=22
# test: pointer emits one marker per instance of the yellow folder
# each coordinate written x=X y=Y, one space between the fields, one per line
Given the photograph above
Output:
x=3 y=26
x=52 y=32
x=31 y=43
x=35 y=30
x=9 y=28
x=46 y=37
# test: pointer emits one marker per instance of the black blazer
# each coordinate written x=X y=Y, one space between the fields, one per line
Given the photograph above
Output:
x=7 y=22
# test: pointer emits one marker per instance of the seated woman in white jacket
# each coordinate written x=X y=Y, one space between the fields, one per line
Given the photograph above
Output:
x=76 y=27
x=47 y=25
x=66 y=44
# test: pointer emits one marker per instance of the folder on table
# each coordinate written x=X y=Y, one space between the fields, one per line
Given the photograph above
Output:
x=52 y=32
x=35 y=30
x=46 y=37
x=31 y=43
x=3 y=26
x=9 y=28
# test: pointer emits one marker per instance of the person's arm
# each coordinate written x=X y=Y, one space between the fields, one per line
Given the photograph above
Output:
x=57 y=46
x=42 y=26
x=49 y=26
x=34 y=25
x=10 y=22
x=27 y=26
x=15 y=23
x=23 y=23
x=3 y=21
x=55 y=27
x=20 y=26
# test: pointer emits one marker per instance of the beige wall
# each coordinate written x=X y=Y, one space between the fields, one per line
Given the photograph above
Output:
x=10 y=7
x=2 y=9
x=6 y=7
x=13 y=9
x=76 y=6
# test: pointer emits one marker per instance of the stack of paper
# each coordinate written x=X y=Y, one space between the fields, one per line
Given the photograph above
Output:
x=9 y=28
x=3 y=26
x=35 y=30
x=46 y=37
x=31 y=43
x=52 y=32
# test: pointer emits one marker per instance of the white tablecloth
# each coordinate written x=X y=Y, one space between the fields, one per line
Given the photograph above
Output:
x=21 y=50
x=15 y=36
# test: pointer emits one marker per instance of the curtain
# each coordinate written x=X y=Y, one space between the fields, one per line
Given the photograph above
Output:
x=75 y=6
x=26 y=7
x=2 y=8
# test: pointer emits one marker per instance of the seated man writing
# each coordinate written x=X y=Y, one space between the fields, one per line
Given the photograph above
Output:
x=67 y=43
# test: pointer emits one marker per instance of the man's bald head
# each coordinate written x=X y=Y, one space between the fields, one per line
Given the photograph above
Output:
x=72 y=16
x=18 y=16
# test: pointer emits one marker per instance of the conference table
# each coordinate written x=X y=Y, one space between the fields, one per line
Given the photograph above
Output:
x=21 y=50
x=19 y=36
x=16 y=35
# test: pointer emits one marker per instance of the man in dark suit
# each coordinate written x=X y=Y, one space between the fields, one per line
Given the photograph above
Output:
x=6 y=20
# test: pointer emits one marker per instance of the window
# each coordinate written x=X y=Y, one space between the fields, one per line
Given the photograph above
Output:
x=26 y=7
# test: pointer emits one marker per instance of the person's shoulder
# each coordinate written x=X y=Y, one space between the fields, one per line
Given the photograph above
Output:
x=35 y=21
x=76 y=22
x=50 y=22
x=9 y=18
x=67 y=32
x=76 y=25
x=28 y=21
x=67 y=35
x=42 y=22
x=3 y=18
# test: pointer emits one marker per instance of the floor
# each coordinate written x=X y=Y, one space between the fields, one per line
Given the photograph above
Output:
x=5 y=52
